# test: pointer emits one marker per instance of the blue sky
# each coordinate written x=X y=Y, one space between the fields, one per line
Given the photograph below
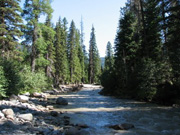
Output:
x=103 y=14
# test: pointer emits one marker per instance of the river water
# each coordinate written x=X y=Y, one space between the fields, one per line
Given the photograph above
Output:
x=97 y=111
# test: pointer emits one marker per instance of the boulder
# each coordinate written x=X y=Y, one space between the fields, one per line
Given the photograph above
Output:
x=8 y=112
x=50 y=107
x=83 y=132
x=37 y=95
x=82 y=125
x=1 y=115
x=27 y=117
x=124 y=126
x=54 y=113
x=61 y=101
x=13 y=97
x=23 y=98
x=11 y=117
x=72 y=131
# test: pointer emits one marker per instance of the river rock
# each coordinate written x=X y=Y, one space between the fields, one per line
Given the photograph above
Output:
x=1 y=115
x=23 y=98
x=124 y=126
x=27 y=117
x=72 y=131
x=54 y=113
x=37 y=95
x=13 y=97
x=82 y=125
x=83 y=132
x=10 y=117
x=8 y=112
x=61 y=101
x=50 y=107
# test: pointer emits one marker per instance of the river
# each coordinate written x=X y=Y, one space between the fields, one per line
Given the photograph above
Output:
x=97 y=111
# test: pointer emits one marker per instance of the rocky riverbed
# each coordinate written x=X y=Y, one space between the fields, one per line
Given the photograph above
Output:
x=34 y=115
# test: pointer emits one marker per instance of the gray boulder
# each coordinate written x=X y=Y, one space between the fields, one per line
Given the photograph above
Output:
x=27 y=117
x=1 y=115
x=61 y=101
x=72 y=131
x=23 y=98
x=124 y=126
x=13 y=97
x=8 y=112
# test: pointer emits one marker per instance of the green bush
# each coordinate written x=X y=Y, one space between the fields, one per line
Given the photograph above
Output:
x=3 y=83
x=32 y=81
x=11 y=70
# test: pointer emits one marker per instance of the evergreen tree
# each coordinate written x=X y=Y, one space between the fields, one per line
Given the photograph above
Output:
x=73 y=50
x=10 y=25
x=32 y=11
x=125 y=51
x=78 y=59
x=109 y=58
x=94 y=59
x=61 y=67
x=48 y=34
x=107 y=77
x=173 y=40
x=84 y=59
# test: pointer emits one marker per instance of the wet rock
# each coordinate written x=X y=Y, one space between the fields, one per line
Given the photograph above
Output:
x=124 y=126
x=37 y=95
x=57 y=132
x=8 y=112
x=176 y=106
x=72 y=131
x=27 y=117
x=66 y=122
x=61 y=101
x=13 y=97
x=27 y=94
x=47 y=131
x=66 y=117
x=50 y=107
x=54 y=113
x=83 y=132
x=23 y=98
x=82 y=125
x=10 y=117
x=1 y=115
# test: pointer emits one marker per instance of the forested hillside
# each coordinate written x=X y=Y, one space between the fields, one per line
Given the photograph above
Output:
x=35 y=56
x=147 y=53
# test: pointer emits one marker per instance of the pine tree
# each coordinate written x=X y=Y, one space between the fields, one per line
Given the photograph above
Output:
x=84 y=59
x=61 y=67
x=94 y=59
x=109 y=58
x=48 y=36
x=73 y=50
x=32 y=11
x=173 y=40
x=10 y=25
x=125 y=50
x=107 y=77
x=78 y=59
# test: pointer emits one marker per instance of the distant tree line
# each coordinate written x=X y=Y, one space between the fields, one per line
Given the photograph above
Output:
x=145 y=64
x=48 y=55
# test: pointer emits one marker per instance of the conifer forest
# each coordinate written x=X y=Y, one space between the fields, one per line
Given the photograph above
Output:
x=143 y=63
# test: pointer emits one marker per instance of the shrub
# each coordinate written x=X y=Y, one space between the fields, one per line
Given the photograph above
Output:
x=32 y=81
x=3 y=83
